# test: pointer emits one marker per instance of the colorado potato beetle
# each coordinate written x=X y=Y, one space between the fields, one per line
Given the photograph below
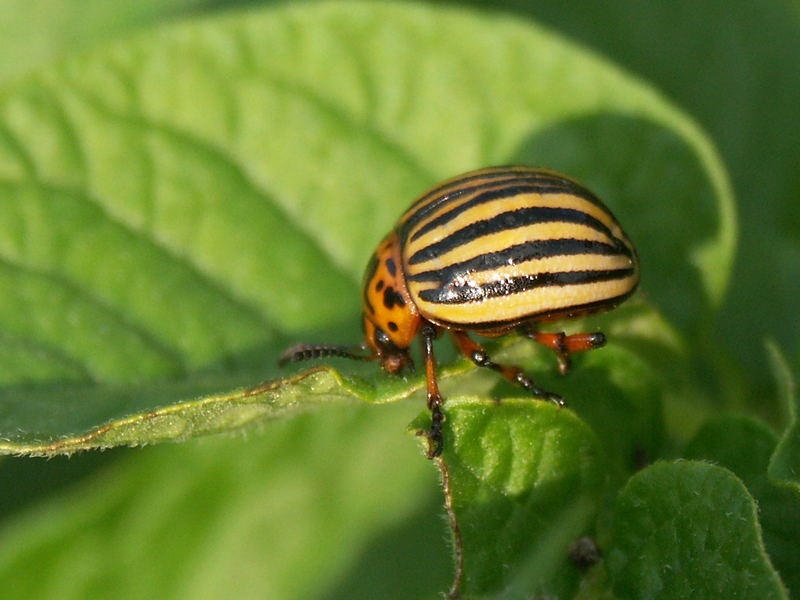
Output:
x=490 y=252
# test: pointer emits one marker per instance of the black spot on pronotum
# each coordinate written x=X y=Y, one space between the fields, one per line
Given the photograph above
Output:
x=391 y=298
x=392 y=326
x=379 y=285
x=391 y=266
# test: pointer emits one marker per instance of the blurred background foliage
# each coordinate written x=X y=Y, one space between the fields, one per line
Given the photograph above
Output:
x=732 y=65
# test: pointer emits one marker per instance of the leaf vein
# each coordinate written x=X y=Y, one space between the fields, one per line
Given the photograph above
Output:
x=92 y=299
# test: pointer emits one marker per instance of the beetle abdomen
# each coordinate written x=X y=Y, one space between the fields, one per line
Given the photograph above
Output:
x=500 y=246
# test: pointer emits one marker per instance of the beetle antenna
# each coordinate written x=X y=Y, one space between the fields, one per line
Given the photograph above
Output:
x=302 y=352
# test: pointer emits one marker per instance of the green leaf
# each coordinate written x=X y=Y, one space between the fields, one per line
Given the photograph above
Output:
x=689 y=530
x=174 y=206
x=64 y=429
x=294 y=511
x=198 y=411
x=784 y=466
x=619 y=396
x=33 y=34
x=521 y=479
x=744 y=446
x=492 y=446
x=611 y=389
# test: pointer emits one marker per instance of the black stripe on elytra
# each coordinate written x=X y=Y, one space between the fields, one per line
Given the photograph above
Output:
x=560 y=313
x=505 y=178
x=520 y=186
x=520 y=253
x=492 y=175
x=513 y=219
x=464 y=294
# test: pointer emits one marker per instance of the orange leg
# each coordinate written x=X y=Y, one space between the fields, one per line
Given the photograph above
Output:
x=565 y=345
x=435 y=400
x=475 y=352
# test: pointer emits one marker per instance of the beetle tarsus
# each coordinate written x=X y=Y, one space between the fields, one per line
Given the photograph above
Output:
x=598 y=339
x=435 y=440
x=523 y=381
x=555 y=399
x=435 y=400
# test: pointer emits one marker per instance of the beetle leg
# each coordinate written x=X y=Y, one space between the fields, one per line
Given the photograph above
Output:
x=476 y=353
x=565 y=345
x=435 y=400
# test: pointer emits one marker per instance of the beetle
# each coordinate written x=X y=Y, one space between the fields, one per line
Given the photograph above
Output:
x=491 y=252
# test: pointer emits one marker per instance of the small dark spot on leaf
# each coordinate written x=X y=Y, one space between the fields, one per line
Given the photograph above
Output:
x=584 y=553
x=640 y=459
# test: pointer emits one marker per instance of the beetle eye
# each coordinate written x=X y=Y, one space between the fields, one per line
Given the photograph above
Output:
x=382 y=340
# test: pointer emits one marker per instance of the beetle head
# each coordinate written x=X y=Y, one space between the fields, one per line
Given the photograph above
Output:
x=392 y=358
x=391 y=320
